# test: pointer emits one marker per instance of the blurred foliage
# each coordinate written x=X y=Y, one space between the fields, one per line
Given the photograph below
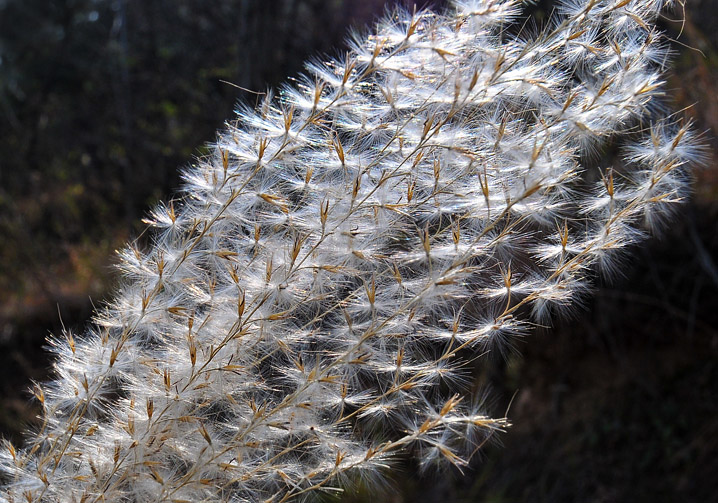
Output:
x=101 y=101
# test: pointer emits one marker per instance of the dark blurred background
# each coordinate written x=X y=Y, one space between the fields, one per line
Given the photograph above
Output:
x=101 y=101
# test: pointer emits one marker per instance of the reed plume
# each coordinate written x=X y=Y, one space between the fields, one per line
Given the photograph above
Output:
x=310 y=302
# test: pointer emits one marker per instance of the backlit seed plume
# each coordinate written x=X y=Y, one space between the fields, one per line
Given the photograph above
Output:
x=310 y=301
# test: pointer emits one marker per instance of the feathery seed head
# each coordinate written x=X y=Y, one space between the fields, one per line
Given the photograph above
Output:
x=310 y=301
